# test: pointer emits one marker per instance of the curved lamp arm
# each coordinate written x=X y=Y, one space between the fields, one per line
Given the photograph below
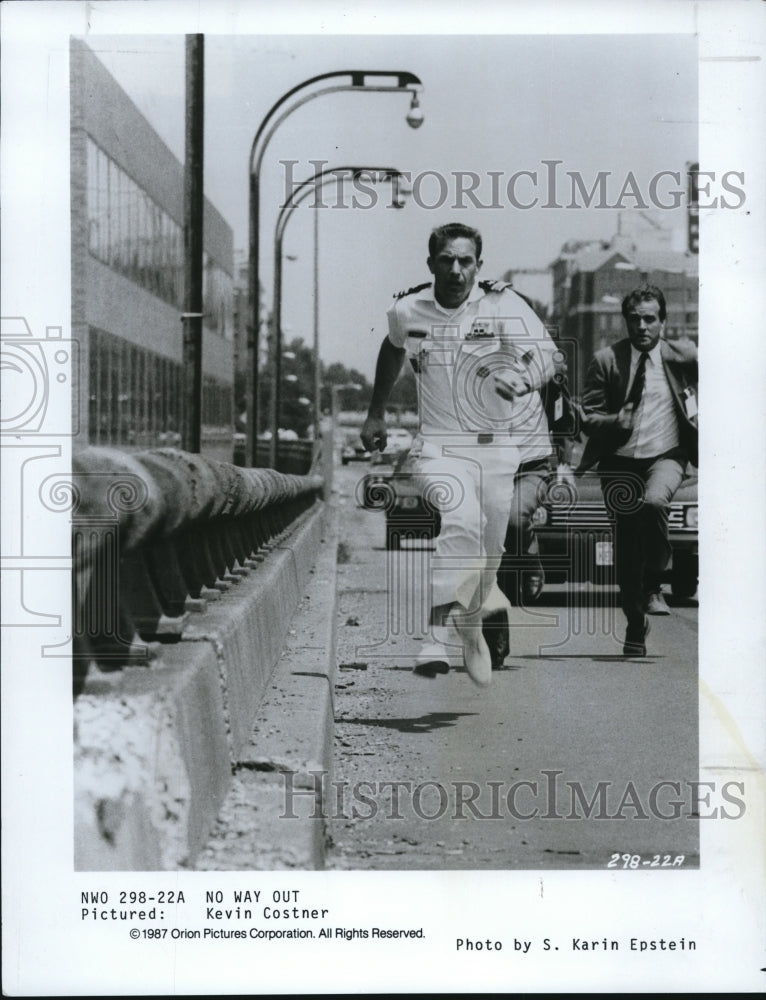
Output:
x=299 y=195
x=405 y=83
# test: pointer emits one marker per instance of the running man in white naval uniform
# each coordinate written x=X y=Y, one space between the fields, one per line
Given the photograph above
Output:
x=479 y=352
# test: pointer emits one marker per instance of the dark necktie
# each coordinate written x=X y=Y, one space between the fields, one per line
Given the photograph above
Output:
x=637 y=389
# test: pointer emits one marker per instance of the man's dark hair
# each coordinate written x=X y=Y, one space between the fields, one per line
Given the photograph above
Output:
x=644 y=294
x=453 y=231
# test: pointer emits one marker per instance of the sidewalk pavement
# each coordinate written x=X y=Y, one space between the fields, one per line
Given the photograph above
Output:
x=271 y=818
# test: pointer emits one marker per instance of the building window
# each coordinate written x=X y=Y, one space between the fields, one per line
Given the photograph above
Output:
x=131 y=233
x=132 y=402
x=136 y=397
x=218 y=297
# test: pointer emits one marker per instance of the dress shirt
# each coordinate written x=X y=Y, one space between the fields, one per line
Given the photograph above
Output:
x=655 y=427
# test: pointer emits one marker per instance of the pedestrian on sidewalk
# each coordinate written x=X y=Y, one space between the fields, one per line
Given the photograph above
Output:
x=479 y=352
x=640 y=415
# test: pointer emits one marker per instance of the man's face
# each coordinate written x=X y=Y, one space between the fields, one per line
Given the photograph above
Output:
x=644 y=324
x=454 y=269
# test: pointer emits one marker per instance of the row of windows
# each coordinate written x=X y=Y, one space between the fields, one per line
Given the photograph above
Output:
x=675 y=324
x=614 y=321
x=128 y=231
x=136 y=396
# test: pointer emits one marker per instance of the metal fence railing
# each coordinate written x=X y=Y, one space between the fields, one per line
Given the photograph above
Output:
x=153 y=529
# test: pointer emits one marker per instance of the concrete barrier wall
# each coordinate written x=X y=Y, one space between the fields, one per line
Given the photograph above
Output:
x=156 y=744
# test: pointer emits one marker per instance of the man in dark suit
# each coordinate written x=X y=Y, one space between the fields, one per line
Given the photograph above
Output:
x=640 y=414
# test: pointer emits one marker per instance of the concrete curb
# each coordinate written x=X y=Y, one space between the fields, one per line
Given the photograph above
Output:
x=249 y=634
x=272 y=818
x=155 y=747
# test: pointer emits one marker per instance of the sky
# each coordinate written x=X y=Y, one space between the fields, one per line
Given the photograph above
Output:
x=494 y=105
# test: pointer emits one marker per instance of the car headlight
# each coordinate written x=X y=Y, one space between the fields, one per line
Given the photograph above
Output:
x=690 y=516
x=540 y=517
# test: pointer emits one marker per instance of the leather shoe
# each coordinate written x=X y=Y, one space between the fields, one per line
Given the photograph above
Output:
x=430 y=668
x=495 y=628
x=635 y=638
x=531 y=587
x=655 y=605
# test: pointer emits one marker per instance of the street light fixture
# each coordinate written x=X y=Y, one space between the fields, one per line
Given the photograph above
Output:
x=316 y=86
x=415 y=114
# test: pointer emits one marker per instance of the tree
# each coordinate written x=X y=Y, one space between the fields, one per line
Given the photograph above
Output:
x=353 y=399
x=296 y=390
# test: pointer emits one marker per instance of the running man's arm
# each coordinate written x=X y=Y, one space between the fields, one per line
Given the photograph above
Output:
x=387 y=371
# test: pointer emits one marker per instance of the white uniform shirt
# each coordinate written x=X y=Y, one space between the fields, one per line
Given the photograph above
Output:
x=655 y=426
x=456 y=355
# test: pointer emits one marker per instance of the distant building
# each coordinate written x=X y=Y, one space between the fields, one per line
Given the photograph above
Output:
x=590 y=280
x=240 y=318
x=536 y=283
x=127 y=275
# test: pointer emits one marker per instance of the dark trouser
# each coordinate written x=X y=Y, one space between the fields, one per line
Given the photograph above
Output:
x=638 y=492
x=521 y=552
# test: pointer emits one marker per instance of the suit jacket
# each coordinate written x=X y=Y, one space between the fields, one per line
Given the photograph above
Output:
x=606 y=385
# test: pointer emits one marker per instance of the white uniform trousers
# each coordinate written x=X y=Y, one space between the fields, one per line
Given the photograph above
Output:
x=471 y=484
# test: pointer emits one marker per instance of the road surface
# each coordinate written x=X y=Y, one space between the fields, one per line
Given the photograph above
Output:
x=574 y=757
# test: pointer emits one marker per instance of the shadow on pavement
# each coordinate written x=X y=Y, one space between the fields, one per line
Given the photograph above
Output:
x=421 y=724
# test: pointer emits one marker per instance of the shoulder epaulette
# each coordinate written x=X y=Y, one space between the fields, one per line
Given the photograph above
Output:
x=494 y=286
x=411 y=291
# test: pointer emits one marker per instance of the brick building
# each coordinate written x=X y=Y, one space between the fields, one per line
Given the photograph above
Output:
x=590 y=279
x=127 y=276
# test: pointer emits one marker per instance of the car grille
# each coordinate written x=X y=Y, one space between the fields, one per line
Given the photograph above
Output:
x=584 y=515
x=595 y=515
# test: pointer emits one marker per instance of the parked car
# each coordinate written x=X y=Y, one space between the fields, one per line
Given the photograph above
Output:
x=396 y=493
x=575 y=534
x=575 y=531
x=352 y=449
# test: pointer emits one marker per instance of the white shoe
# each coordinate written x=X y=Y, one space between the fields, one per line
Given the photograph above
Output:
x=478 y=661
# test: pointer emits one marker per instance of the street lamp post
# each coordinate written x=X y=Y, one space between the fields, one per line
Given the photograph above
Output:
x=301 y=192
x=194 y=202
x=329 y=458
x=317 y=370
x=357 y=80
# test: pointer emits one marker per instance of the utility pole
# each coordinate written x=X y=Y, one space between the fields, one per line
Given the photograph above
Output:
x=194 y=200
x=317 y=369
